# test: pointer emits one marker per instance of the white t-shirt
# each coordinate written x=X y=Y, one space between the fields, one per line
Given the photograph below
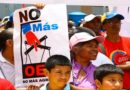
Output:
x=67 y=87
x=7 y=70
x=101 y=59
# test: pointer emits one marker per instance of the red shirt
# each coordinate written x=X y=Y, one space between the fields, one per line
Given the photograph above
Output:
x=6 y=85
x=119 y=52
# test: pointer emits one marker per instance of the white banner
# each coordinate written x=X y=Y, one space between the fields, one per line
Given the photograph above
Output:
x=73 y=2
x=38 y=34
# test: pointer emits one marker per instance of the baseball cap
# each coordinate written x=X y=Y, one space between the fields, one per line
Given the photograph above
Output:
x=83 y=37
x=4 y=21
x=109 y=15
x=11 y=17
x=91 y=17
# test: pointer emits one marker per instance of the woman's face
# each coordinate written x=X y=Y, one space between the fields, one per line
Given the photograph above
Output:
x=87 y=50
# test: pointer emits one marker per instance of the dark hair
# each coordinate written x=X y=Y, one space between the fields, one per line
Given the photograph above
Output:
x=54 y=60
x=106 y=69
x=82 y=29
x=5 y=35
x=8 y=25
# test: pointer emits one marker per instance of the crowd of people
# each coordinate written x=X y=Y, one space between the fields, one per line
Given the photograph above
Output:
x=100 y=57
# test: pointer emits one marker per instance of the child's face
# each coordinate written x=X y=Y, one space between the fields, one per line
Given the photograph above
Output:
x=59 y=76
x=111 y=82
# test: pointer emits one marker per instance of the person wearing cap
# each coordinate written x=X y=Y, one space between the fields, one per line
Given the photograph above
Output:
x=93 y=22
x=117 y=47
x=84 y=48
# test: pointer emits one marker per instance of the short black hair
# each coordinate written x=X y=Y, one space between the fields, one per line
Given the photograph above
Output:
x=8 y=25
x=5 y=35
x=106 y=69
x=54 y=60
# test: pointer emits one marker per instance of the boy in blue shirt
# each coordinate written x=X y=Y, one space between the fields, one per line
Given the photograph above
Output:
x=58 y=70
x=108 y=77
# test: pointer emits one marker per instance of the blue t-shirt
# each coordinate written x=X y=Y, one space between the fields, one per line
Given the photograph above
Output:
x=67 y=87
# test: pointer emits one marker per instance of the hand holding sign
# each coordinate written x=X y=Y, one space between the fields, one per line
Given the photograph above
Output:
x=39 y=5
x=30 y=36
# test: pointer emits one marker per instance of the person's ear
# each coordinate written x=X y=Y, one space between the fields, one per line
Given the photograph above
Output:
x=75 y=50
x=9 y=42
x=46 y=72
x=98 y=83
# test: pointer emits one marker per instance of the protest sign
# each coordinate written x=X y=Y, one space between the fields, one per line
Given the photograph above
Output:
x=38 y=34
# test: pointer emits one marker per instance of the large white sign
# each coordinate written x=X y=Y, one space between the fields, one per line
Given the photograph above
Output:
x=38 y=34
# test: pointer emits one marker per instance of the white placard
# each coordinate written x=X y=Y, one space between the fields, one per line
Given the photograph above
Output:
x=49 y=26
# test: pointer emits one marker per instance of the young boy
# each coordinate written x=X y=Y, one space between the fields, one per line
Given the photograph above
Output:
x=108 y=77
x=57 y=69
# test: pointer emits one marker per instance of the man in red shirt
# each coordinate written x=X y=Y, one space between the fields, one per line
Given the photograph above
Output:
x=117 y=47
